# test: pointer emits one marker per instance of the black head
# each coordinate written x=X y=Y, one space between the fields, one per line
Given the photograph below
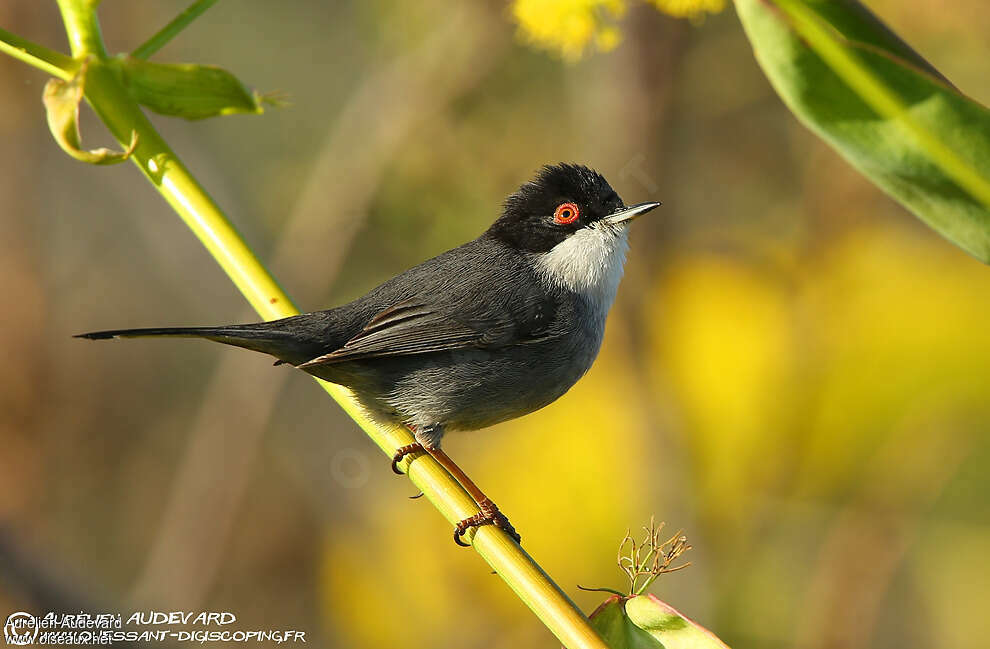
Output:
x=561 y=200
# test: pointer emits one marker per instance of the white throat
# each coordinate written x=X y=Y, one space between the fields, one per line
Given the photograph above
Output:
x=589 y=262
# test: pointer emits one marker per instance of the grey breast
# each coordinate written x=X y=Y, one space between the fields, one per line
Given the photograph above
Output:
x=476 y=388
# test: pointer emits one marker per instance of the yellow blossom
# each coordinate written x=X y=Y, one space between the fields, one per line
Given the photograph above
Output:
x=568 y=27
x=688 y=8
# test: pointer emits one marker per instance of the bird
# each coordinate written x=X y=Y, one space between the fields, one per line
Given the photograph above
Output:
x=491 y=330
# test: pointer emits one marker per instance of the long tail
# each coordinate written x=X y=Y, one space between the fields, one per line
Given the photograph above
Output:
x=288 y=340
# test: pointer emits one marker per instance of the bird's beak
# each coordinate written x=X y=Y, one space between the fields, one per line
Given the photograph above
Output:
x=630 y=213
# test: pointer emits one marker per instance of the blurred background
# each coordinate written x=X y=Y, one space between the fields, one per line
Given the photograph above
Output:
x=795 y=373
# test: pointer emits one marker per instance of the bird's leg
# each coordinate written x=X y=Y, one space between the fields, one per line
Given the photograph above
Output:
x=428 y=439
x=489 y=514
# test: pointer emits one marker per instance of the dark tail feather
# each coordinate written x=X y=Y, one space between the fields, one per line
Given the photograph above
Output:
x=284 y=343
x=183 y=332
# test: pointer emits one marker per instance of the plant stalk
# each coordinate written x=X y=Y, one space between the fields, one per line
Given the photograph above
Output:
x=54 y=63
x=169 y=31
x=83 y=28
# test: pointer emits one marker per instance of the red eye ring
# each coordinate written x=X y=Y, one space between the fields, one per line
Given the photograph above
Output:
x=566 y=213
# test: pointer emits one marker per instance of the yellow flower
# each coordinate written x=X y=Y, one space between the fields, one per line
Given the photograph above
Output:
x=568 y=27
x=688 y=8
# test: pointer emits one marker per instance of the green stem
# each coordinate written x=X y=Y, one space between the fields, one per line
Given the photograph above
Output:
x=82 y=28
x=168 y=32
x=54 y=63
x=122 y=115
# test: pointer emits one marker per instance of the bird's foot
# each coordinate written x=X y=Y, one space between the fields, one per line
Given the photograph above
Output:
x=403 y=451
x=489 y=515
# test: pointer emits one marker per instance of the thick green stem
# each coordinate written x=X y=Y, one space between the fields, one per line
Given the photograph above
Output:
x=122 y=115
x=168 y=32
x=82 y=28
x=54 y=63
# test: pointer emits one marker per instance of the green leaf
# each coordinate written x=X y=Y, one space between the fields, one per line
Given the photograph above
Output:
x=668 y=626
x=888 y=112
x=61 y=99
x=186 y=90
x=617 y=630
x=644 y=622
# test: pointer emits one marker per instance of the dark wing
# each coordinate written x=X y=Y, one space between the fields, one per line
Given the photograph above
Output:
x=413 y=327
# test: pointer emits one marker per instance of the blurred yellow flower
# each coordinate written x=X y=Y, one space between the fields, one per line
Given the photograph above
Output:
x=688 y=8
x=567 y=27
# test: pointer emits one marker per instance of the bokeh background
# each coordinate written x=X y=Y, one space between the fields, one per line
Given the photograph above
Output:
x=796 y=371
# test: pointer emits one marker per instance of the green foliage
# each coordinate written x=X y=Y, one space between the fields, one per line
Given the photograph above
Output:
x=644 y=622
x=186 y=90
x=882 y=107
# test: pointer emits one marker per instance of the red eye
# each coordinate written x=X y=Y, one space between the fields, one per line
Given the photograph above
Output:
x=566 y=213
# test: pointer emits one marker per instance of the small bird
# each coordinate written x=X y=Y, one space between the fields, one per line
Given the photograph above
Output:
x=488 y=331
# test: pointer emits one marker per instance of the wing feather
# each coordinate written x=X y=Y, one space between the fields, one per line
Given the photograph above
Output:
x=413 y=327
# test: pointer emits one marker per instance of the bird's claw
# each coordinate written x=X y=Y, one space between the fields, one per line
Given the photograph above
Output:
x=489 y=515
x=403 y=451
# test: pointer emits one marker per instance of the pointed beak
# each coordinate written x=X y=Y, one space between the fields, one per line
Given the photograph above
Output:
x=630 y=213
